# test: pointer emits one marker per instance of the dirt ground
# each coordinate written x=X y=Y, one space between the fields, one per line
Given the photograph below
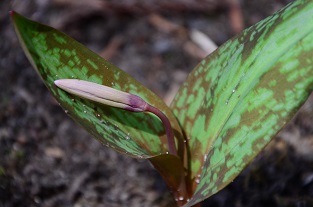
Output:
x=48 y=160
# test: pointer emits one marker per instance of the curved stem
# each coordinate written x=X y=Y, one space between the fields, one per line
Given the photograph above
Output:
x=116 y=98
x=167 y=126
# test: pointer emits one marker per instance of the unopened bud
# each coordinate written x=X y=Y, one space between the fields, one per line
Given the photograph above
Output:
x=102 y=94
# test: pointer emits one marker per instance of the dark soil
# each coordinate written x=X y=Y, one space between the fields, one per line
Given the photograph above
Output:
x=48 y=160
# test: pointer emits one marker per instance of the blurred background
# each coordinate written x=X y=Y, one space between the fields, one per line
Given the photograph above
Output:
x=48 y=160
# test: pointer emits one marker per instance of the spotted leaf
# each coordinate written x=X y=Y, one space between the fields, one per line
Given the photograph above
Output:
x=57 y=56
x=238 y=98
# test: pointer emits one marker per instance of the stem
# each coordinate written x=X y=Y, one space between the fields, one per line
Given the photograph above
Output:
x=167 y=126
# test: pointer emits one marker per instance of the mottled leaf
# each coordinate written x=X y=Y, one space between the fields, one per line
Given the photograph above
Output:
x=238 y=98
x=57 y=56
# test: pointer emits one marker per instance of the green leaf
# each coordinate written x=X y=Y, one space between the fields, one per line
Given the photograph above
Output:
x=237 y=99
x=57 y=56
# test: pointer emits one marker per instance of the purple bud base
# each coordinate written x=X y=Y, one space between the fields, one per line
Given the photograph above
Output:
x=116 y=98
x=137 y=104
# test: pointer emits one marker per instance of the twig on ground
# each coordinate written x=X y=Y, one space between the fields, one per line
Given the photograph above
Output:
x=235 y=16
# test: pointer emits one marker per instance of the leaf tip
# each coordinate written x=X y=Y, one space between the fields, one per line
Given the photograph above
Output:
x=13 y=14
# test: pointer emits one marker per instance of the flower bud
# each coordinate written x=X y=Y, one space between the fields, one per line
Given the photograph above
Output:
x=102 y=94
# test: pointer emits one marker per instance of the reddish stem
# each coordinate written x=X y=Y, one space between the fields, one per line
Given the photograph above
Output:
x=167 y=126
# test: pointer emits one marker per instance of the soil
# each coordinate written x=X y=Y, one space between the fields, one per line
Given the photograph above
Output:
x=48 y=160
